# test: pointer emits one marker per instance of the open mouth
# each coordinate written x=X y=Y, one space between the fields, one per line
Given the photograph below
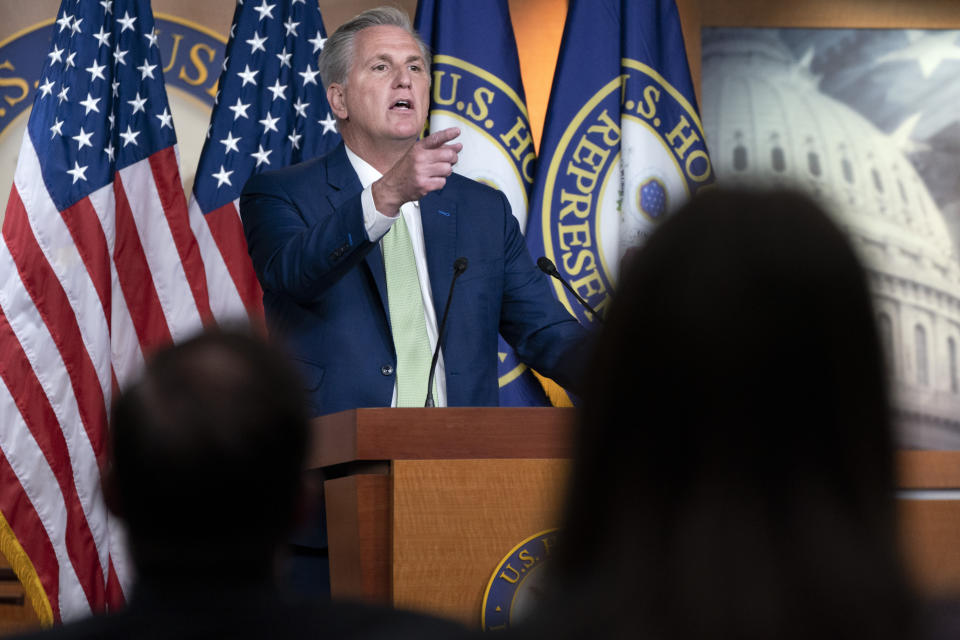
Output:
x=402 y=104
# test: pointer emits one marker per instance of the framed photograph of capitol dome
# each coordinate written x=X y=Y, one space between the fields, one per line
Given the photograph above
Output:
x=856 y=103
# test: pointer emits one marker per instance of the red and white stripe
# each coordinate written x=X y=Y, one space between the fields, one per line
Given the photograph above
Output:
x=87 y=293
x=229 y=270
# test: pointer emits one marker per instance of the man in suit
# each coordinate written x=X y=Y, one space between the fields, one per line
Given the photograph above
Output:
x=206 y=472
x=355 y=250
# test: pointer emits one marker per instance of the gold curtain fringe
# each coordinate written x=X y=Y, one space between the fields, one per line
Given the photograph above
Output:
x=558 y=397
x=26 y=573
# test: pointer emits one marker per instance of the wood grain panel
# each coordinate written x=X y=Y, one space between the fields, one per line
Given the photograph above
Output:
x=931 y=534
x=847 y=14
x=16 y=614
x=878 y=14
x=358 y=531
x=455 y=520
x=447 y=433
x=928 y=469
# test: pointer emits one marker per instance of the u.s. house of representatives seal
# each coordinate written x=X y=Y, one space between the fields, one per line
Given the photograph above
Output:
x=634 y=152
x=498 y=148
x=517 y=583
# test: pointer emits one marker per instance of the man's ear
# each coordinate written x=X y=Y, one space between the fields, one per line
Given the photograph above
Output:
x=337 y=101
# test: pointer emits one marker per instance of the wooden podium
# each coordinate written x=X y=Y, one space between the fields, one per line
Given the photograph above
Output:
x=423 y=504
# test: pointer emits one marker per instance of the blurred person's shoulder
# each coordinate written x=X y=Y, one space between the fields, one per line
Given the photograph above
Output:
x=280 y=620
x=942 y=619
x=358 y=621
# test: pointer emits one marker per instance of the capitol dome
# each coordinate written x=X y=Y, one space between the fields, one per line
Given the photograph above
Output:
x=768 y=124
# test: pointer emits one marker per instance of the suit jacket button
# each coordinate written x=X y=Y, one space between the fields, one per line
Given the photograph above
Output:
x=387 y=370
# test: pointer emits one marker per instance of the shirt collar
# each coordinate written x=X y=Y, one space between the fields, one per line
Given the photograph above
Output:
x=365 y=171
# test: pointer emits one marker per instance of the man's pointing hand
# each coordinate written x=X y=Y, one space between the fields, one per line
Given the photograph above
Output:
x=424 y=168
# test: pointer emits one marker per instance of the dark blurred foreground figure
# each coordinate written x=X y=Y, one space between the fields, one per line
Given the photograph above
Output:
x=209 y=450
x=735 y=477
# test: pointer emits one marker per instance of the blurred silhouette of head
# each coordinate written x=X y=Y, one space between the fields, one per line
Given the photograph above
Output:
x=734 y=476
x=208 y=454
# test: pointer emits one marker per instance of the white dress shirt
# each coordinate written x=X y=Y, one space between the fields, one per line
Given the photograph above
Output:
x=377 y=224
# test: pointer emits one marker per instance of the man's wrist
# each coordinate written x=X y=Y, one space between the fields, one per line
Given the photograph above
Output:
x=385 y=202
x=375 y=223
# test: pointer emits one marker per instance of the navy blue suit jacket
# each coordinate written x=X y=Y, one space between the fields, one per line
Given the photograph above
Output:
x=325 y=289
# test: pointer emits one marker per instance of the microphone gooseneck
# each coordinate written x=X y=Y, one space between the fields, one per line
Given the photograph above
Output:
x=546 y=265
x=459 y=266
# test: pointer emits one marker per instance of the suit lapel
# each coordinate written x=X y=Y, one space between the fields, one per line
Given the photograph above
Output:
x=346 y=185
x=438 y=216
x=341 y=176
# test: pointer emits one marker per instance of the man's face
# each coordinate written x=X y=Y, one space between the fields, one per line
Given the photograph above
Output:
x=387 y=94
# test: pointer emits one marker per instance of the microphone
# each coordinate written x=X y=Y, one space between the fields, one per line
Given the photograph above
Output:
x=546 y=265
x=459 y=266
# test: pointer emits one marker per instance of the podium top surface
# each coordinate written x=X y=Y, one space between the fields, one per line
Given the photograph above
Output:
x=441 y=434
x=525 y=432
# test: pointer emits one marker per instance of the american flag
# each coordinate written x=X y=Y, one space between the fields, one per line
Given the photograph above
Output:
x=270 y=111
x=100 y=266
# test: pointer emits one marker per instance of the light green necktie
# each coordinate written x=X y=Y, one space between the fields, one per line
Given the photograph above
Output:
x=406 y=316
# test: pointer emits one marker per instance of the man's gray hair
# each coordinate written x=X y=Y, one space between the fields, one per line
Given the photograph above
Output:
x=337 y=55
